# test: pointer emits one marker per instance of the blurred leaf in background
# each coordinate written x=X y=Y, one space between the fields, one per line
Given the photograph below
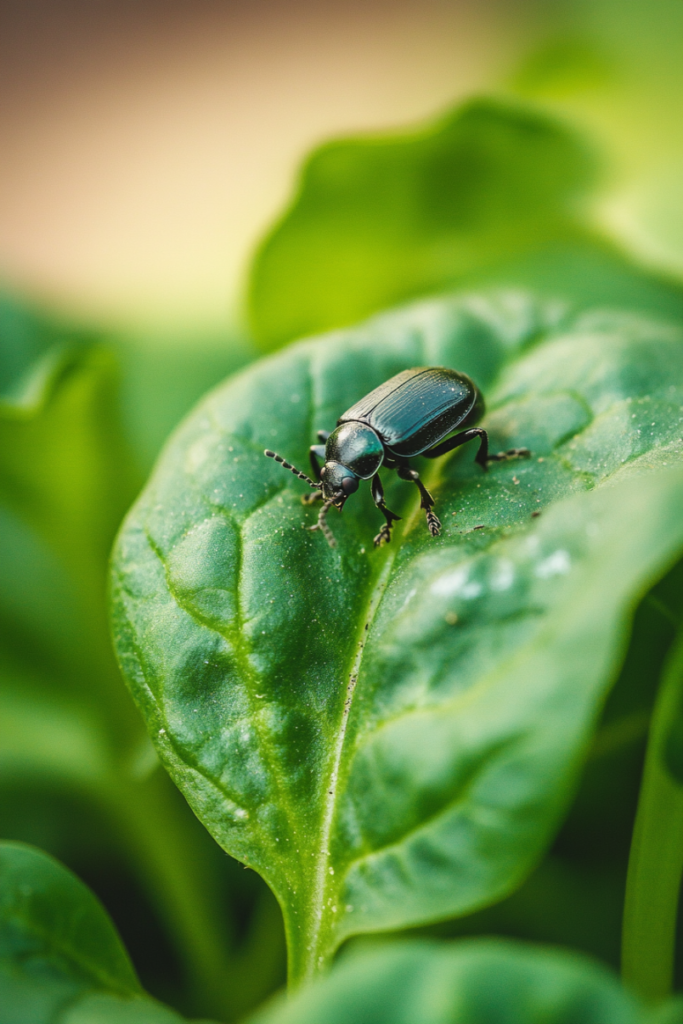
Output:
x=492 y=192
x=478 y=982
x=614 y=70
x=60 y=956
x=65 y=469
x=61 y=962
x=163 y=376
x=378 y=220
x=77 y=773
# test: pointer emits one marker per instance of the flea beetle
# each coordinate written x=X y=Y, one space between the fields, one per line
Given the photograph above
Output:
x=412 y=414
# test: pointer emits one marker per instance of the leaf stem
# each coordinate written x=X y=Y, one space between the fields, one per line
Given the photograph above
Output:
x=656 y=858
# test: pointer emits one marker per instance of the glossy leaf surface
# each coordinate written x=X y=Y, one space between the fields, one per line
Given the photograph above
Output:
x=480 y=982
x=61 y=960
x=390 y=736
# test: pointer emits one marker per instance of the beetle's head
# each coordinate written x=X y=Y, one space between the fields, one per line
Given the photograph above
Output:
x=338 y=482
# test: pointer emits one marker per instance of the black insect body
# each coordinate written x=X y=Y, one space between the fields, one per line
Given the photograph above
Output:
x=414 y=413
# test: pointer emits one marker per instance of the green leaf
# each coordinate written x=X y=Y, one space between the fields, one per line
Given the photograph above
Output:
x=70 y=738
x=56 y=939
x=41 y=617
x=65 y=479
x=26 y=334
x=64 y=465
x=61 y=959
x=391 y=736
x=380 y=219
x=104 y=1008
x=656 y=860
x=481 y=982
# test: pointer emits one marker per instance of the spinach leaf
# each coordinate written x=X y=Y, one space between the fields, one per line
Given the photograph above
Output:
x=105 y=1008
x=61 y=960
x=65 y=479
x=391 y=737
x=57 y=939
x=379 y=220
x=481 y=982
x=490 y=193
x=64 y=466
x=26 y=334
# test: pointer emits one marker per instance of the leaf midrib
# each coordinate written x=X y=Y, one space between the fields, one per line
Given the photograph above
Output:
x=375 y=597
x=321 y=874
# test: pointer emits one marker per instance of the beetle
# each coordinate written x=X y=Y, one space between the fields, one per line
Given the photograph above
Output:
x=413 y=413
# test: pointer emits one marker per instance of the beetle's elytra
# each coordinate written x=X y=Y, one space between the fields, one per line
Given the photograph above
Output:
x=414 y=413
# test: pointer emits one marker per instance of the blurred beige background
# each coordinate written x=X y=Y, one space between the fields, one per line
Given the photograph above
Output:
x=146 y=145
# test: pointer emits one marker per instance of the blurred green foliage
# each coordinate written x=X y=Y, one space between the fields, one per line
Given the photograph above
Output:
x=377 y=220
x=77 y=773
x=614 y=70
x=61 y=962
x=57 y=942
x=480 y=982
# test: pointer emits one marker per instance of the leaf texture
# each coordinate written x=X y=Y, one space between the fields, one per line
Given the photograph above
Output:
x=391 y=736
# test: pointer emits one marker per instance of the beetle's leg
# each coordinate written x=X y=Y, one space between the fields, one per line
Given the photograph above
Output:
x=384 y=535
x=322 y=435
x=310 y=499
x=511 y=453
x=482 y=456
x=426 y=500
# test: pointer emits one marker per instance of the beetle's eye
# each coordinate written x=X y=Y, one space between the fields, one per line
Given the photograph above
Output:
x=349 y=484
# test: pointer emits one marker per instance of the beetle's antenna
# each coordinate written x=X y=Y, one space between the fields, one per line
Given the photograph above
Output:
x=322 y=521
x=292 y=469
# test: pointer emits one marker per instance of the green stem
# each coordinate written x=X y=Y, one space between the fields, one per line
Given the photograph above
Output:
x=656 y=859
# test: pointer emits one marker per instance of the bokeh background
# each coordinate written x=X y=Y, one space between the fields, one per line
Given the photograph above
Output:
x=145 y=148
x=148 y=144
